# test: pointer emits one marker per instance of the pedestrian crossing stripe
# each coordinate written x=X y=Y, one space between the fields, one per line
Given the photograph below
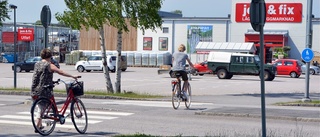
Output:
x=29 y=123
x=94 y=117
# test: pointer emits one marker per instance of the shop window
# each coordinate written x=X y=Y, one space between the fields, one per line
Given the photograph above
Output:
x=165 y=30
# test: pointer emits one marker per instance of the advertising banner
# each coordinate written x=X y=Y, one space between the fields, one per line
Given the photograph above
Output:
x=197 y=33
x=147 y=43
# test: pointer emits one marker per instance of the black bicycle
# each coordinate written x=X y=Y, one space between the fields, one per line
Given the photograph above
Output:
x=178 y=95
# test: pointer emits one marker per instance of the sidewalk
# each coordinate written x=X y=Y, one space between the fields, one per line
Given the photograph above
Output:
x=250 y=106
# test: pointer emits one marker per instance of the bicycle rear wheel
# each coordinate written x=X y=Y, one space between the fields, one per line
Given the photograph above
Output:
x=43 y=115
x=79 y=116
x=188 y=100
x=175 y=96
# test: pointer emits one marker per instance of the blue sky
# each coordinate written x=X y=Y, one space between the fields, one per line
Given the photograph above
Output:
x=28 y=11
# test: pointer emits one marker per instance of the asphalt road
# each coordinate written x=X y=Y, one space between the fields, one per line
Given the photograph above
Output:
x=227 y=107
x=147 y=80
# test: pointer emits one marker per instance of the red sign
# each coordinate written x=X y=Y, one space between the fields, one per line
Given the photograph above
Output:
x=8 y=37
x=25 y=34
x=276 y=12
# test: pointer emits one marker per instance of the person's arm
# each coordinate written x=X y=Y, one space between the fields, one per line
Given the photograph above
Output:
x=61 y=72
x=190 y=63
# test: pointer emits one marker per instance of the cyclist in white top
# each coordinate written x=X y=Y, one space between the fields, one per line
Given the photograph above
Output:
x=179 y=60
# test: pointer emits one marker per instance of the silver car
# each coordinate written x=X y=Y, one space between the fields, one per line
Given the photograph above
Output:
x=313 y=69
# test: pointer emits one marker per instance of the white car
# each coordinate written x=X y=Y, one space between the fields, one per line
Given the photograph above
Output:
x=312 y=70
x=95 y=63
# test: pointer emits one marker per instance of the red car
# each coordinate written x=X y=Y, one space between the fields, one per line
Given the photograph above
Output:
x=201 y=68
x=291 y=67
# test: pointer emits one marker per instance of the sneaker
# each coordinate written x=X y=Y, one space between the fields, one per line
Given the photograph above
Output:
x=35 y=131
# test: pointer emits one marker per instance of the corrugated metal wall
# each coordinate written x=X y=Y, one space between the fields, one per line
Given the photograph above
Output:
x=89 y=40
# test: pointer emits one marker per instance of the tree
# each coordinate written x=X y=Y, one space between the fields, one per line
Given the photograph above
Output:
x=142 y=14
x=38 y=22
x=177 y=11
x=3 y=11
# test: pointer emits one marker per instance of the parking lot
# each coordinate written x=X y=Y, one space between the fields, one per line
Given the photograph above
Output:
x=147 y=80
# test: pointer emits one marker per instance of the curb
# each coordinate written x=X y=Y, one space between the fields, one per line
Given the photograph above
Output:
x=301 y=119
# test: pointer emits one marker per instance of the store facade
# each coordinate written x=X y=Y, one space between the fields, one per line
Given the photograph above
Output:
x=285 y=27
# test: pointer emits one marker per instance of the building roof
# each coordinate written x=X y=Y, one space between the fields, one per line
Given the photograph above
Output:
x=226 y=46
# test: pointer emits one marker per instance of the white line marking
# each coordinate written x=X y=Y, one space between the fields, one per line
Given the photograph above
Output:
x=29 y=118
x=150 y=103
x=95 y=112
x=30 y=124
x=109 y=113
x=100 y=117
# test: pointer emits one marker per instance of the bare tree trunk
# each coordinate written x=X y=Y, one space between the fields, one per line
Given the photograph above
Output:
x=105 y=62
x=118 y=64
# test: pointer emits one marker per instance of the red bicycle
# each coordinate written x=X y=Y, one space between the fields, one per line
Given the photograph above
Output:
x=45 y=113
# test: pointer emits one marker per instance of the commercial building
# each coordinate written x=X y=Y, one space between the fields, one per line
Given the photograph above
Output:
x=285 y=27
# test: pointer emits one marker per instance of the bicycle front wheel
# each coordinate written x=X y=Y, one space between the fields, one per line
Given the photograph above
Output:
x=43 y=115
x=175 y=96
x=79 y=116
x=188 y=94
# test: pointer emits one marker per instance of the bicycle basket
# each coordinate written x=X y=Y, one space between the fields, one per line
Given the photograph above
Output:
x=77 y=88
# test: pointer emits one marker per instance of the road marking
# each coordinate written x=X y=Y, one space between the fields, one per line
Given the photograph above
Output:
x=166 y=104
x=94 y=117
x=28 y=123
x=109 y=113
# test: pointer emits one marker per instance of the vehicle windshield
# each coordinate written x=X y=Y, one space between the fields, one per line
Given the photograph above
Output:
x=257 y=59
x=33 y=59
x=300 y=63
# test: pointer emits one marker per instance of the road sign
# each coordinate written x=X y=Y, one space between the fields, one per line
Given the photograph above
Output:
x=257 y=14
x=45 y=16
x=307 y=55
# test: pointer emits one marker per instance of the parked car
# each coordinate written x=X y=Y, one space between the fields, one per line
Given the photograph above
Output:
x=28 y=65
x=291 y=67
x=201 y=68
x=227 y=64
x=95 y=63
x=312 y=70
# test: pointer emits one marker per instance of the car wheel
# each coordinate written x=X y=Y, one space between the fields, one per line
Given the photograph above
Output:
x=222 y=74
x=18 y=69
x=27 y=70
x=200 y=74
x=123 y=69
x=80 y=68
x=88 y=70
x=293 y=74
x=195 y=73
x=267 y=76
x=229 y=76
x=312 y=72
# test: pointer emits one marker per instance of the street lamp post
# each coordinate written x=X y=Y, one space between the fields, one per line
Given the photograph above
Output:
x=14 y=7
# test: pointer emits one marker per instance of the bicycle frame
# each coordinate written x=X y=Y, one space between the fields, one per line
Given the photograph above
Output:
x=64 y=108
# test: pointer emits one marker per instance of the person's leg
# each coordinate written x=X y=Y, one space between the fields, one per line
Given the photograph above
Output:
x=185 y=81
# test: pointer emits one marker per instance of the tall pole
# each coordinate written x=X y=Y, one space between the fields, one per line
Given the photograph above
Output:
x=14 y=7
x=308 y=45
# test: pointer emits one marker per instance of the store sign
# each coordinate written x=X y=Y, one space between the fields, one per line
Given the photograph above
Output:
x=8 y=37
x=276 y=12
x=25 y=34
